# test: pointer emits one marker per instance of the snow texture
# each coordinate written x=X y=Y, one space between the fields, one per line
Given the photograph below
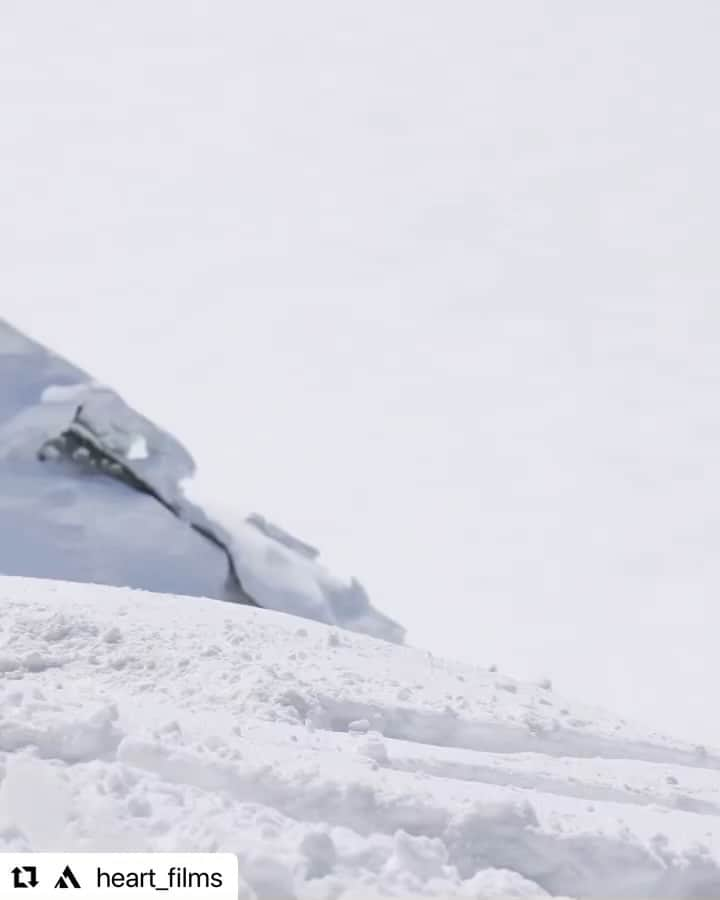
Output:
x=334 y=765
x=61 y=522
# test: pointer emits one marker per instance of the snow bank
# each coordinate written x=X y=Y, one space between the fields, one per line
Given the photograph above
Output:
x=61 y=522
x=332 y=764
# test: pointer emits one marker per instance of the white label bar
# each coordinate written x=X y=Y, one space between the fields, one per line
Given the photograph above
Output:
x=94 y=876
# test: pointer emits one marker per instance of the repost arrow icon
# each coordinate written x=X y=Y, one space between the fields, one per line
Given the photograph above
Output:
x=20 y=880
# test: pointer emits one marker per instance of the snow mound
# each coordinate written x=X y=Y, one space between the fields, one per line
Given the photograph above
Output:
x=65 y=521
x=334 y=765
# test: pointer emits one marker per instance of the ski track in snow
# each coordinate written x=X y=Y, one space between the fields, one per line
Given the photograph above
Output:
x=332 y=764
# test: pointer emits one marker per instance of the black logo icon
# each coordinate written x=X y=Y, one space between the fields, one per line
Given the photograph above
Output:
x=27 y=880
x=67 y=879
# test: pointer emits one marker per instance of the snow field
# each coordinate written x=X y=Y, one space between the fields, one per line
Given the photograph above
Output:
x=332 y=764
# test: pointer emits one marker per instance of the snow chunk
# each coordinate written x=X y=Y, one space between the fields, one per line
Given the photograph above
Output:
x=359 y=726
x=373 y=747
x=67 y=393
x=320 y=853
x=54 y=735
x=138 y=448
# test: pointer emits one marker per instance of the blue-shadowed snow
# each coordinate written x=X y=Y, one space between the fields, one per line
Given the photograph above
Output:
x=58 y=520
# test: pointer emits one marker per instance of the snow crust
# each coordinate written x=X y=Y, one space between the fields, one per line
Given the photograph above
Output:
x=60 y=522
x=334 y=765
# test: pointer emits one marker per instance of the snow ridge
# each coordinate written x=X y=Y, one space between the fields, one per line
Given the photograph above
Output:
x=332 y=764
x=65 y=521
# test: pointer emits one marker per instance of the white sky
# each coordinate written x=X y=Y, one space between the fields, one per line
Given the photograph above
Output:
x=433 y=285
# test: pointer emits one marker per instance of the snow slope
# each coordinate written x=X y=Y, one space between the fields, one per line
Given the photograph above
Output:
x=332 y=764
x=64 y=521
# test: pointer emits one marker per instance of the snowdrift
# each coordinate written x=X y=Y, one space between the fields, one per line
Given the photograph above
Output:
x=68 y=519
x=334 y=765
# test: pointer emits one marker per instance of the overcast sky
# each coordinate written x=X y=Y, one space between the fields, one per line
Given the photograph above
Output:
x=432 y=285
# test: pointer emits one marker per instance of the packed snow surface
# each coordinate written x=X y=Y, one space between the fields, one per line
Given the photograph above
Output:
x=333 y=764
